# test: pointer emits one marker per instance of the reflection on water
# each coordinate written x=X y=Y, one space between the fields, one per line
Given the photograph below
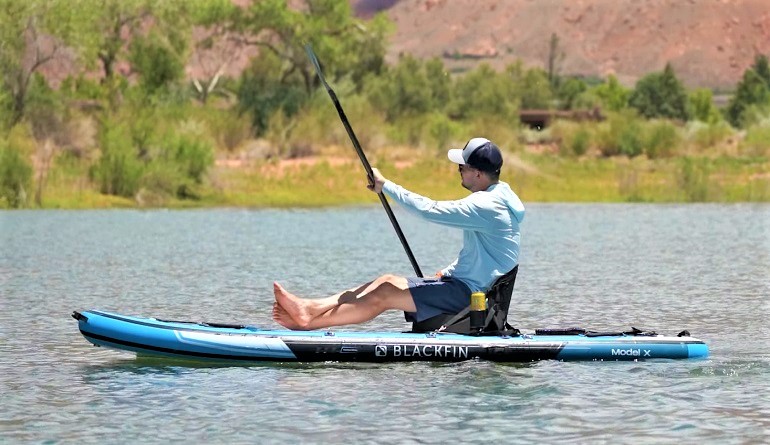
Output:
x=662 y=267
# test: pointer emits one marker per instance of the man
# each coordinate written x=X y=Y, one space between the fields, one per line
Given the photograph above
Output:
x=489 y=218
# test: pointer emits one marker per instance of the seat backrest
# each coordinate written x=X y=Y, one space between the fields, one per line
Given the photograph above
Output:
x=499 y=300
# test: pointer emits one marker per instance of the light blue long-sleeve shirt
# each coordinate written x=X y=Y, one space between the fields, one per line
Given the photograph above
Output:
x=490 y=222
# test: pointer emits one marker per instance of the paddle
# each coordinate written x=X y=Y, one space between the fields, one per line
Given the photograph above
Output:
x=364 y=161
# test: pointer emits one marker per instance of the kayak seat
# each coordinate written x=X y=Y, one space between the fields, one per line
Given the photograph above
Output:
x=498 y=302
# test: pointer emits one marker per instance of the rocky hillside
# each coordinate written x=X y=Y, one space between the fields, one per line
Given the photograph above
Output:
x=708 y=42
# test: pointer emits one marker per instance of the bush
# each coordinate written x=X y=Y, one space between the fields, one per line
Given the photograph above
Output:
x=261 y=92
x=757 y=140
x=611 y=94
x=662 y=140
x=406 y=89
x=15 y=176
x=484 y=93
x=441 y=130
x=192 y=155
x=227 y=128
x=118 y=170
x=702 y=106
x=621 y=135
x=704 y=135
x=574 y=139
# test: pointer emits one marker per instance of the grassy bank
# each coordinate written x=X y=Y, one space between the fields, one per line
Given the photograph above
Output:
x=336 y=179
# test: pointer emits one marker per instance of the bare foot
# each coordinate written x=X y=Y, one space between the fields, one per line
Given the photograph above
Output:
x=283 y=318
x=300 y=310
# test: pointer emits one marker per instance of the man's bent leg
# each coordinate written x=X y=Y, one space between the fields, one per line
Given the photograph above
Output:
x=361 y=304
x=392 y=293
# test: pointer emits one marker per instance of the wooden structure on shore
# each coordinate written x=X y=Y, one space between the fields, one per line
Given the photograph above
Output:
x=539 y=119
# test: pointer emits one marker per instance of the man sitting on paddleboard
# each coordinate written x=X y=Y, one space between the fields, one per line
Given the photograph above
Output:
x=489 y=218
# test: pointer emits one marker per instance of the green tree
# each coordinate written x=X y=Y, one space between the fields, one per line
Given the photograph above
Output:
x=32 y=33
x=263 y=90
x=660 y=95
x=530 y=87
x=109 y=26
x=752 y=91
x=612 y=94
x=568 y=92
x=216 y=50
x=345 y=45
x=702 y=106
x=484 y=92
x=762 y=68
x=405 y=89
x=158 y=61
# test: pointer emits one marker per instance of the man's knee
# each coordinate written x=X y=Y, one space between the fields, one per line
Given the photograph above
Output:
x=389 y=279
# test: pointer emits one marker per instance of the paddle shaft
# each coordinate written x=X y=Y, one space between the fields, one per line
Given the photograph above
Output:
x=364 y=161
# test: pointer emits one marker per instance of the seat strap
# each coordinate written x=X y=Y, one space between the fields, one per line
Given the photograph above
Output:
x=454 y=319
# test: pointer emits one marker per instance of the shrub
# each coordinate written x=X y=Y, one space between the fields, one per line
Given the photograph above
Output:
x=228 y=129
x=621 y=135
x=15 y=176
x=757 y=140
x=192 y=155
x=262 y=92
x=441 y=130
x=406 y=89
x=662 y=139
x=581 y=140
x=118 y=170
x=484 y=93
x=702 y=106
x=704 y=135
x=573 y=138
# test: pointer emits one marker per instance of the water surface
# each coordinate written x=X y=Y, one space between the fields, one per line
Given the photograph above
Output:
x=705 y=268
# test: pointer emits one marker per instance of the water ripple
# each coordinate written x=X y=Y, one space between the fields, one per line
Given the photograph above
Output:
x=664 y=267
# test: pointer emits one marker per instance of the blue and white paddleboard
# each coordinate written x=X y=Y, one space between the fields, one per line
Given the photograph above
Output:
x=242 y=344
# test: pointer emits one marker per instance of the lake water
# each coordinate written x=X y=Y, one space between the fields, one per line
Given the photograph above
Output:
x=705 y=268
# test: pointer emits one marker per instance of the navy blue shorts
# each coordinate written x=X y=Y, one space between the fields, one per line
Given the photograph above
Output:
x=434 y=296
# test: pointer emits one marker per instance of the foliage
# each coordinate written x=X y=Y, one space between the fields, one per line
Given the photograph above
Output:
x=574 y=139
x=531 y=87
x=660 y=95
x=757 y=140
x=15 y=176
x=261 y=91
x=612 y=95
x=158 y=62
x=693 y=179
x=192 y=155
x=702 y=106
x=347 y=46
x=752 y=90
x=410 y=87
x=704 y=135
x=568 y=92
x=621 y=135
x=662 y=139
x=118 y=171
x=32 y=33
x=484 y=92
